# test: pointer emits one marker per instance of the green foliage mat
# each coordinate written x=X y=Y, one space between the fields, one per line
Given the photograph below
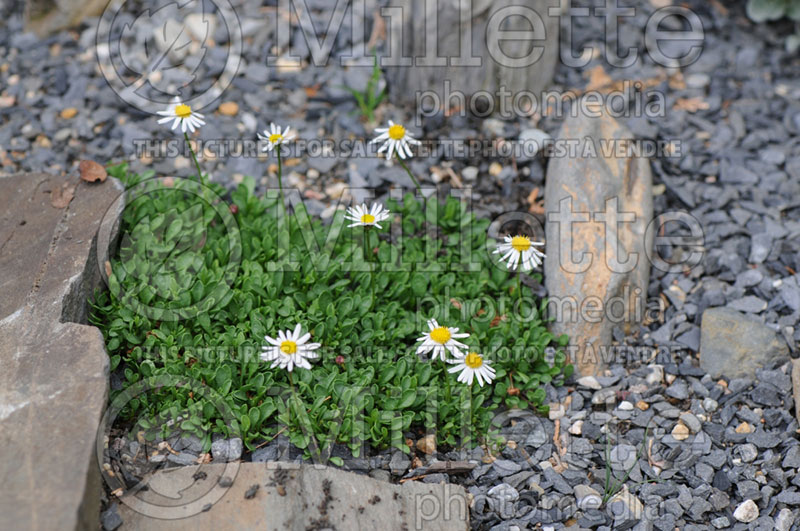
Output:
x=197 y=283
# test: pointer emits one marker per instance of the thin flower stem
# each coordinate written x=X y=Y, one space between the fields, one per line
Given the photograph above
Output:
x=519 y=288
x=280 y=186
x=194 y=157
x=408 y=171
x=280 y=178
x=369 y=257
x=447 y=394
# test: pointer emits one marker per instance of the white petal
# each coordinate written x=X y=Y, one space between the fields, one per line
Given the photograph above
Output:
x=390 y=152
x=272 y=341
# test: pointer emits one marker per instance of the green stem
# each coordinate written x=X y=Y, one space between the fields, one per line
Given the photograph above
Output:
x=369 y=257
x=283 y=210
x=519 y=289
x=408 y=171
x=447 y=394
x=194 y=157
x=280 y=178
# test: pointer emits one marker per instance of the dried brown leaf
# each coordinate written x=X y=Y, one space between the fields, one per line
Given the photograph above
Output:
x=497 y=319
x=92 y=172
x=60 y=197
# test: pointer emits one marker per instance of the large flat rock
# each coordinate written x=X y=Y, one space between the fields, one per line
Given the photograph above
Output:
x=272 y=496
x=54 y=376
x=599 y=204
x=735 y=345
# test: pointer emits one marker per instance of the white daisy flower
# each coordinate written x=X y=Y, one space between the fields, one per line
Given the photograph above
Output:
x=440 y=339
x=274 y=136
x=520 y=247
x=290 y=350
x=395 y=138
x=473 y=365
x=181 y=114
x=367 y=217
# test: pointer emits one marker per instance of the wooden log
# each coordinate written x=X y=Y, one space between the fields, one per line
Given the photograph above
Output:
x=478 y=48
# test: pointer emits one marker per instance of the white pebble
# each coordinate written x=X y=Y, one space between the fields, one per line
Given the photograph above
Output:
x=470 y=173
x=710 y=405
x=590 y=382
x=656 y=375
x=746 y=512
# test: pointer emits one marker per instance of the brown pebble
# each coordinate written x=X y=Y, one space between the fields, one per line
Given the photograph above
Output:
x=229 y=108
x=427 y=444
x=680 y=432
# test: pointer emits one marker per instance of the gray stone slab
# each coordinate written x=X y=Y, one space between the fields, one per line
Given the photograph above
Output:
x=54 y=377
x=290 y=497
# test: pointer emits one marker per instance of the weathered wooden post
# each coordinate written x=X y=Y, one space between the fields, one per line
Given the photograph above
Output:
x=469 y=53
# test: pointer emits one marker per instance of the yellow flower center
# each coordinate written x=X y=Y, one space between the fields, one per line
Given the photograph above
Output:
x=289 y=347
x=520 y=243
x=440 y=335
x=367 y=218
x=473 y=360
x=397 y=131
x=183 y=111
x=275 y=138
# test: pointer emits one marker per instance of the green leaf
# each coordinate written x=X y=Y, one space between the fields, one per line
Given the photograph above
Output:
x=408 y=399
x=173 y=230
x=419 y=284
